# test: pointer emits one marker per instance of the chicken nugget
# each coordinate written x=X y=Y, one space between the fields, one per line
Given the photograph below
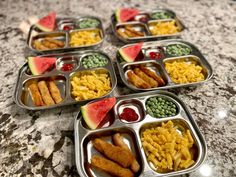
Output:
x=137 y=81
x=115 y=153
x=110 y=167
x=145 y=77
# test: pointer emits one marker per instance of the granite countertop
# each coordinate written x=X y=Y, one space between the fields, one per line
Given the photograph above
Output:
x=41 y=143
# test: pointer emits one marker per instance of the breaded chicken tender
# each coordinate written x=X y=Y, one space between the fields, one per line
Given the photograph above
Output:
x=120 y=155
x=145 y=77
x=137 y=81
x=110 y=167
x=118 y=141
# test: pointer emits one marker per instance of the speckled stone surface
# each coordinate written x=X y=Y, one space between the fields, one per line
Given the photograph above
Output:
x=41 y=143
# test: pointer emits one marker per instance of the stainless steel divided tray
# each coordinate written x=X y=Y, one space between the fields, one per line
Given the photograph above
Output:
x=69 y=35
x=83 y=75
x=132 y=132
x=148 y=25
x=155 y=56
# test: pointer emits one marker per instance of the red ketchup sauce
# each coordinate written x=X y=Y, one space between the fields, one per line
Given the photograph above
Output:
x=129 y=115
x=67 y=67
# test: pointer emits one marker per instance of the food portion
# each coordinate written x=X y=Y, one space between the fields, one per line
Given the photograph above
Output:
x=167 y=148
x=90 y=85
x=129 y=115
x=67 y=67
x=47 y=23
x=130 y=52
x=48 y=44
x=125 y=14
x=94 y=113
x=163 y=28
x=40 y=65
x=94 y=60
x=161 y=15
x=45 y=93
x=87 y=23
x=161 y=107
x=118 y=159
x=118 y=140
x=131 y=31
x=184 y=71
x=144 y=78
x=154 y=53
x=85 y=37
x=110 y=167
x=178 y=50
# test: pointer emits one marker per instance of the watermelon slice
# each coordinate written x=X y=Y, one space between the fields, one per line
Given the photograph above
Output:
x=95 y=112
x=125 y=14
x=130 y=53
x=47 y=23
x=39 y=65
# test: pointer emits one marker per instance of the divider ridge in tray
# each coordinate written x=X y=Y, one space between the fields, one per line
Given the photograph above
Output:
x=162 y=65
x=70 y=33
x=76 y=77
x=163 y=143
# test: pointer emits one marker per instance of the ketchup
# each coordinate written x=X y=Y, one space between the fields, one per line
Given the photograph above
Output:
x=67 y=28
x=67 y=67
x=129 y=115
x=154 y=55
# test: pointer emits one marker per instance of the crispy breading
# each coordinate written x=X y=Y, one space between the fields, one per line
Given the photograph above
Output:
x=115 y=153
x=145 y=77
x=110 y=167
x=137 y=81
x=118 y=141
x=152 y=74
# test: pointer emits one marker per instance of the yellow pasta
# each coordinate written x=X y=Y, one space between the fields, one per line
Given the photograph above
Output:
x=84 y=37
x=172 y=153
x=163 y=28
x=89 y=86
x=184 y=72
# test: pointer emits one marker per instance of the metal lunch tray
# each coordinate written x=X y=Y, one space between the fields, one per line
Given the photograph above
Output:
x=131 y=133
x=64 y=35
x=158 y=65
x=144 y=26
x=62 y=79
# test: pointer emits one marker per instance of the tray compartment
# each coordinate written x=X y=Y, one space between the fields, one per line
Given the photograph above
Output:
x=72 y=63
x=191 y=59
x=79 y=35
x=25 y=95
x=181 y=126
x=134 y=104
x=37 y=42
x=132 y=30
x=97 y=71
x=151 y=65
x=88 y=150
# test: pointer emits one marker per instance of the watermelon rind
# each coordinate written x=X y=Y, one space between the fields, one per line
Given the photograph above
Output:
x=32 y=66
x=87 y=119
x=43 y=28
x=125 y=56
x=117 y=14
